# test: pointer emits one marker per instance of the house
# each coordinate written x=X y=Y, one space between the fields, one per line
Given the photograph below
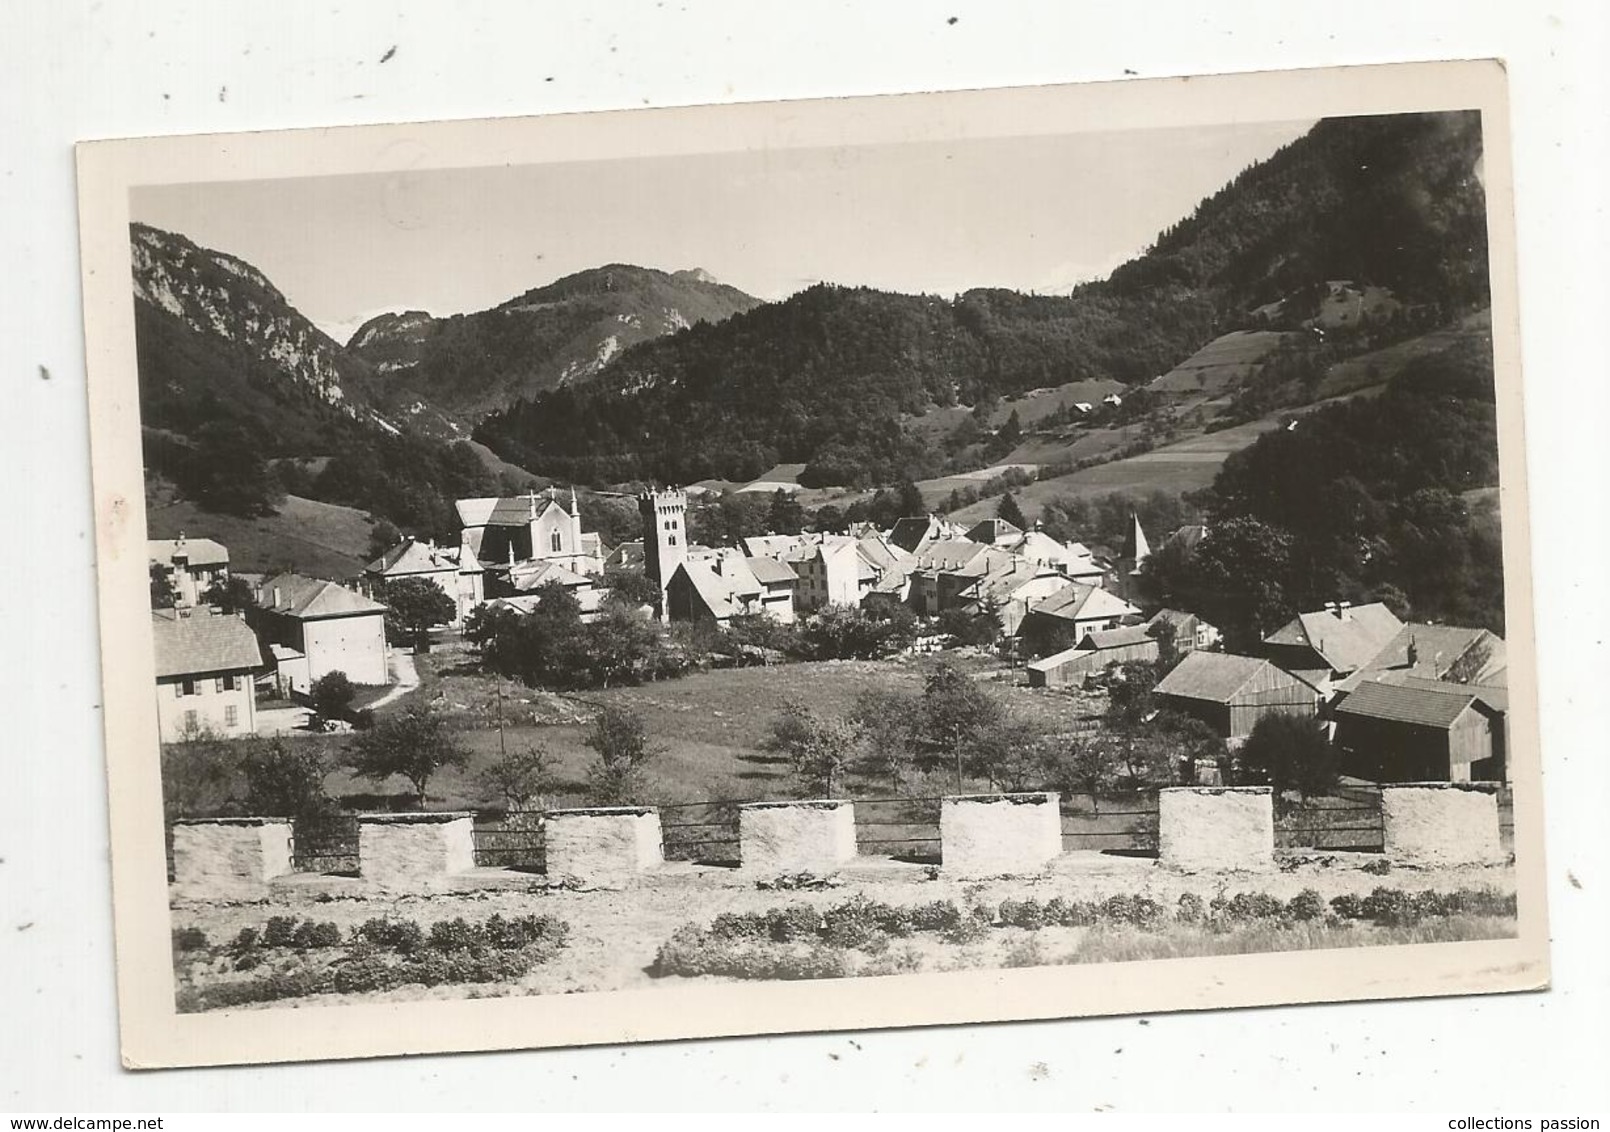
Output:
x=995 y=532
x=501 y=532
x=773 y=546
x=1112 y=399
x=1190 y=631
x=941 y=568
x=206 y=663
x=1098 y=649
x=1072 y=560
x=1009 y=588
x=722 y=585
x=833 y=571
x=1231 y=693
x=319 y=627
x=455 y=571
x=1340 y=638
x=524 y=579
x=1066 y=616
x=192 y=565
x=1427 y=731
x=918 y=532
x=1438 y=652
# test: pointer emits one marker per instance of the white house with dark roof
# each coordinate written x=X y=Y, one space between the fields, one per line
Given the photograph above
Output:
x=321 y=627
x=724 y=584
x=191 y=564
x=1064 y=618
x=454 y=570
x=206 y=663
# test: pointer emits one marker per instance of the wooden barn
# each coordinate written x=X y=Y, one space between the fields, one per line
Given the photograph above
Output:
x=1427 y=732
x=1231 y=693
x=1099 y=648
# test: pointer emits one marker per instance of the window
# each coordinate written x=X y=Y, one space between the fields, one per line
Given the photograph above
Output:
x=556 y=543
x=231 y=716
x=187 y=687
x=229 y=683
x=672 y=540
x=218 y=684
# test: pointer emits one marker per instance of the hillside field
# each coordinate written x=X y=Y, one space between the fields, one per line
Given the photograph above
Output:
x=316 y=538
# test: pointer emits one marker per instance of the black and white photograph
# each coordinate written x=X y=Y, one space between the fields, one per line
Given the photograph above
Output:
x=937 y=558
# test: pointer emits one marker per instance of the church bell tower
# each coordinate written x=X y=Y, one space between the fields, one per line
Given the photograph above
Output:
x=665 y=543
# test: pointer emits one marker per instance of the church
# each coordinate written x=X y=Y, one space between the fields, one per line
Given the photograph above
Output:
x=530 y=528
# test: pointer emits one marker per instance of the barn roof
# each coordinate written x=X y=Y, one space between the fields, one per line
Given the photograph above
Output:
x=197 y=640
x=1082 y=602
x=1123 y=637
x=1424 y=705
x=769 y=571
x=1347 y=640
x=1214 y=676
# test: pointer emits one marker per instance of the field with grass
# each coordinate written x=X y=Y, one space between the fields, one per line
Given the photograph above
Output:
x=711 y=725
x=305 y=535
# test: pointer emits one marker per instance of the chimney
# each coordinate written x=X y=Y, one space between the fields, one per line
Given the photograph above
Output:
x=1342 y=609
x=276 y=597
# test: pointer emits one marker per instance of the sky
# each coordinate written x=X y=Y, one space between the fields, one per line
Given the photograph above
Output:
x=1031 y=213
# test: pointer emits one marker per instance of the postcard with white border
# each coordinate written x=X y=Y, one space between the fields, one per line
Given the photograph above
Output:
x=746 y=569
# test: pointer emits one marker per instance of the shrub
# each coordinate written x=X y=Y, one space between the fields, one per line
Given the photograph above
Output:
x=1306 y=905
x=403 y=936
x=1347 y=906
x=248 y=961
x=855 y=924
x=1139 y=911
x=453 y=935
x=741 y=925
x=266 y=988
x=1391 y=907
x=365 y=973
x=244 y=940
x=935 y=916
x=1251 y=907
x=971 y=928
x=308 y=935
x=1190 y=909
x=279 y=931
x=1378 y=867
x=1029 y=952
x=189 y=939
x=1029 y=913
x=793 y=921
x=1069 y=913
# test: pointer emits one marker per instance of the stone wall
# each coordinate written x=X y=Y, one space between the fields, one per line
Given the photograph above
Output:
x=1441 y=823
x=414 y=852
x=776 y=838
x=1216 y=827
x=608 y=846
x=997 y=834
x=229 y=858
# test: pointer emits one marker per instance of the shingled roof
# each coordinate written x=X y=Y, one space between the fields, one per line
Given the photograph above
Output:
x=196 y=551
x=1347 y=640
x=1422 y=705
x=296 y=595
x=1213 y=676
x=192 y=641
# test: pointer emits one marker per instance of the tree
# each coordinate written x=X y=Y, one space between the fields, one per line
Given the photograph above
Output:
x=1288 y=752
x=1009 y=511
x=415 y=743
x=230 y=595
x=1130 y=699
x=516 y=778
x=1009 y=754
x=620 y=739
x=382 y=537
x=954 y=708
x=620 y=645
x=821 y=747
x=891 y=724
x=1088 y=764
x=908 y=500
x=632 y=586
x=332 y=694
x=785 y=516
x=413 y=605
x=966 y=627
x=285 y=779
x=199 y=776
x=828 y=519
x=163 y=595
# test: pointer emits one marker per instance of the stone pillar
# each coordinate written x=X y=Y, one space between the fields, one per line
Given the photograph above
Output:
x=414 y=852
x=999 y=834
x=776 y=838
x=229 y=858
x=1441 y=823
x=1201 y=828
x=605 y=846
